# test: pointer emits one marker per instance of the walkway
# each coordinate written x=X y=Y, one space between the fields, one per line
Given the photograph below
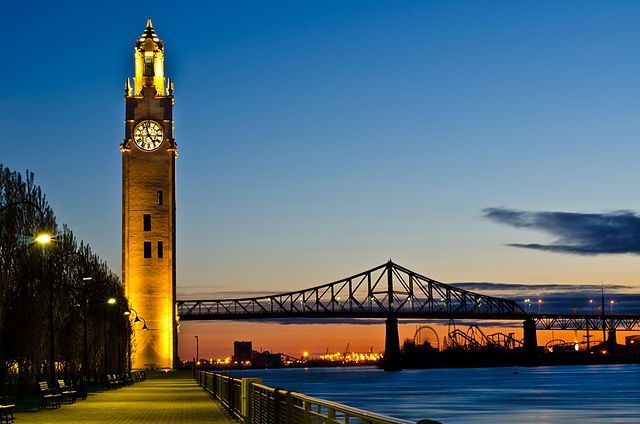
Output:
x=177 y=399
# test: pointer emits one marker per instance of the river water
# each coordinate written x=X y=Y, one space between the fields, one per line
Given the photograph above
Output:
x=560 y=394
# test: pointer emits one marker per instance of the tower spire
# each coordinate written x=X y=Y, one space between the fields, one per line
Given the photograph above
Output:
x=149 y=61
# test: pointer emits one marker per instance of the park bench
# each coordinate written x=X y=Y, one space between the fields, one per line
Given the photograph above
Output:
x=110 y=382
x=48 y=397
x=113 y=381
x=128 y=379
x=68 y=393
x=6 y=411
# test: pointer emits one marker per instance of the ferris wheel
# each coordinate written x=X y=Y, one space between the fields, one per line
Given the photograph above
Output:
x=426 y=334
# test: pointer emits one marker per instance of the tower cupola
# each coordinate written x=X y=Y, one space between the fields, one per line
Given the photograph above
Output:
x=149 y=62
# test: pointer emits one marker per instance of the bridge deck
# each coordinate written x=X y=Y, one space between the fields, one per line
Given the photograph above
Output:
x=178 y=399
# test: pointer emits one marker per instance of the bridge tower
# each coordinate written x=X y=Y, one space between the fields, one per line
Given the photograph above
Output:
x=148 y=205
x=612 y=342
x=391 y=360
x=530 y=338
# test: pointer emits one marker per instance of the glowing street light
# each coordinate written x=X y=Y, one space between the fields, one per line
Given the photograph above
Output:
x=43 y=238
x=539 y=305
x=611 y=302
x=112 y=301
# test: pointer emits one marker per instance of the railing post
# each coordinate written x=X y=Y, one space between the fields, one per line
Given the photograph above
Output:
x=245 y=405
x=331 y=415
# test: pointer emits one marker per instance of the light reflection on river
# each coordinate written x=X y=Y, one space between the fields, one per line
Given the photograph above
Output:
x=568 y=394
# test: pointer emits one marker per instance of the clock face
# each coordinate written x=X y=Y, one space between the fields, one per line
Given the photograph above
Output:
x=148 y=135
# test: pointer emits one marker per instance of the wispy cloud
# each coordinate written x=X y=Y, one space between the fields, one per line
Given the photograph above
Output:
x=563 y=298
x=577 y=233
x=197 y=292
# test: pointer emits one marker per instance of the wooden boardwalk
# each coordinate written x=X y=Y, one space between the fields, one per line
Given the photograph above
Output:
x=177 y=399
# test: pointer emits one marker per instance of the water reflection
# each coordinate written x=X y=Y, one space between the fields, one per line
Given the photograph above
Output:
x=597 y=393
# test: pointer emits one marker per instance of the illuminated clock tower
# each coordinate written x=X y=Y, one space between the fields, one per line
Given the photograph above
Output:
x=148 y=206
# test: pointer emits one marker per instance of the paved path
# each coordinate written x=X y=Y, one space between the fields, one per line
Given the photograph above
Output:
x=162 y=400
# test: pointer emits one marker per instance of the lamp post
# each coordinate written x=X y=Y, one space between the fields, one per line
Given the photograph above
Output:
x=43 y=239
x=85 y=337
x=197 y=349
x=604 y=320
x=136 y=320
x=110 y=301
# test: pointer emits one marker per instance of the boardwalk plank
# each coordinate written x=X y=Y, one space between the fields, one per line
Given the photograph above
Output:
x=164 y=400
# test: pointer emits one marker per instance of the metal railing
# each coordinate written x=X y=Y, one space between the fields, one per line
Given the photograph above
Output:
x=251 y=402
x=227 y=390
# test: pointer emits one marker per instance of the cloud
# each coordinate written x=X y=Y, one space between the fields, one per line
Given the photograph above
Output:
x=517 y=289
x=200 y=292
x=563 y=298
x=577 y=233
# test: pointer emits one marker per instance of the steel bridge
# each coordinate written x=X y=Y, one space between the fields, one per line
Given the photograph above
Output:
x=376 y=293
x=393 y=292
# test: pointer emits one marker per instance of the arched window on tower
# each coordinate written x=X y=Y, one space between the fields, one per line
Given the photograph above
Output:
x=148 y=64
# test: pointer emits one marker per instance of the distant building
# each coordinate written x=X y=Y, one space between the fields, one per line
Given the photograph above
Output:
x=633 y=342
x=267 y=359
x=242 y=351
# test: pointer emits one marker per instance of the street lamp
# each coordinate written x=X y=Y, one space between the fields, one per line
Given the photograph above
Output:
x=197 y=348
x=539 y=305
x=85 y=338
x=43 y=238
x=110 y=301
x=527 y=303
x=611 y=302
x=137 y=319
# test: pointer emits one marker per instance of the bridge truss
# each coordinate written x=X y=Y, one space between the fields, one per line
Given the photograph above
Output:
x=587 y=322
x=384 y=291
x=390 y=290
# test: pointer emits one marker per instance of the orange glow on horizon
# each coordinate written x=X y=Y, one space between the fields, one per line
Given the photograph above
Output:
x=216 y=338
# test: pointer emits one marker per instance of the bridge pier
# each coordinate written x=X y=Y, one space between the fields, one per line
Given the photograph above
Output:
x=530 y=338
x=612 y=341
x=391 y=360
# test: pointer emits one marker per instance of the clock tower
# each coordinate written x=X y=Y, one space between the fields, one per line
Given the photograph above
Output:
x=148 y=206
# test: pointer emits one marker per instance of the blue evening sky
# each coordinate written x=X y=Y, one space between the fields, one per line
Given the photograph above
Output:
x=320 y=138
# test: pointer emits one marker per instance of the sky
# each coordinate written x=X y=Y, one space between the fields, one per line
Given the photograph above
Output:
x=318 y=139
